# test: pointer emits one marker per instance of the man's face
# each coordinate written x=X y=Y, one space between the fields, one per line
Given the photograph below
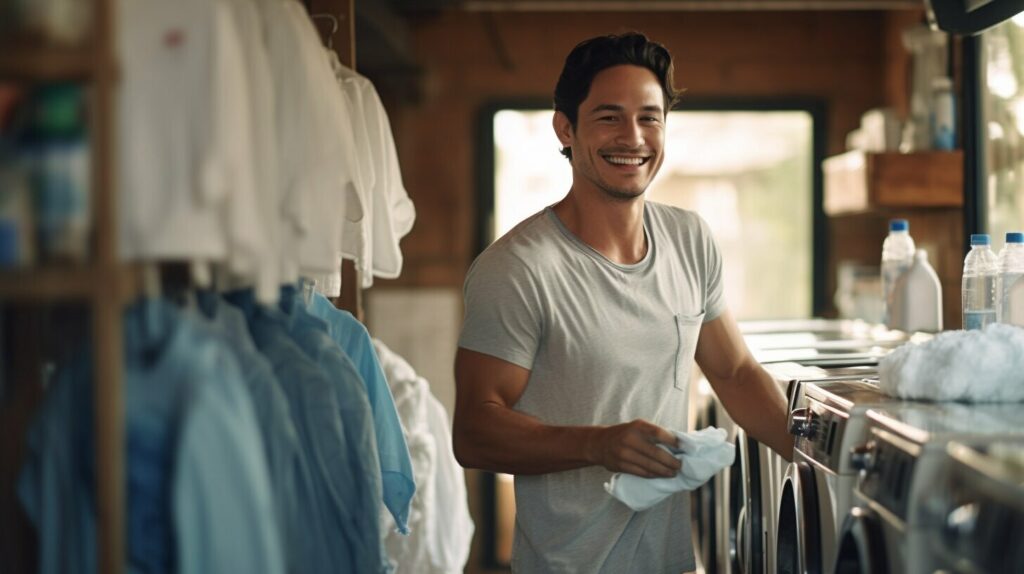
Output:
x=617 y=146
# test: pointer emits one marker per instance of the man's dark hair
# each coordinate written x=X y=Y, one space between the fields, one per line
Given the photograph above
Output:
x=592 y=56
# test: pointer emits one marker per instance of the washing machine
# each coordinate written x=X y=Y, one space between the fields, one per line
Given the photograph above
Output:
x=901 y=464
x=825 y=359
x=816 y=491
x=740 y=501
x=739 y=505
x=979 y=506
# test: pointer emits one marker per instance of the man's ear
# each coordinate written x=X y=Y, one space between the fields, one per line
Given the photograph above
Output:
x=563 y=129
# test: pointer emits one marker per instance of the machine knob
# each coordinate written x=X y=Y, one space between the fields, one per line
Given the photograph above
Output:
x=863 y=457
x=802 y=423
x=962 y=520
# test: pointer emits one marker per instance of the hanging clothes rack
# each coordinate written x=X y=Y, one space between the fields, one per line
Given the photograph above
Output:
x=104 y=285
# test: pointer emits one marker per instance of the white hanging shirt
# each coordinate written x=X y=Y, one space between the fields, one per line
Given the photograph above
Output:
x=333 y=177
x=354 y=239
x=262 y=269
x=390 y=214
x=184 y=134
x=291 y=123
x=317 y=180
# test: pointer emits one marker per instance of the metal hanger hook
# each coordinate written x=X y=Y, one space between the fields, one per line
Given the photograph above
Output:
x=334 y=26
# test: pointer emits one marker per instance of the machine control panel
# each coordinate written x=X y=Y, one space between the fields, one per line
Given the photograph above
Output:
x=980 y=507
x=886 y=471
x=817 y=429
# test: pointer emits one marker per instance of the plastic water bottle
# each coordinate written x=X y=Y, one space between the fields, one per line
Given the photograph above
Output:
x=1009 y=285
x=897 y=257
x=981 y=266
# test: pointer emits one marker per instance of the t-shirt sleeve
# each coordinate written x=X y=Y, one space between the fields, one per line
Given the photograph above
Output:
x=714 y=296
x=503 y=312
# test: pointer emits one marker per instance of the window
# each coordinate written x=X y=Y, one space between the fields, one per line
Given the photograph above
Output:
x=1003 y=101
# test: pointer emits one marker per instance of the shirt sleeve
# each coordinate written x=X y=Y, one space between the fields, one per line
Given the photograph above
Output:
x=504 y=315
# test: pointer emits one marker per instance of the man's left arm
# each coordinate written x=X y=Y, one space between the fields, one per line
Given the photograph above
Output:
x=748 y=392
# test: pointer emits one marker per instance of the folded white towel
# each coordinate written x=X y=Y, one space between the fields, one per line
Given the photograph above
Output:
x=703 y=453
x=980 y=366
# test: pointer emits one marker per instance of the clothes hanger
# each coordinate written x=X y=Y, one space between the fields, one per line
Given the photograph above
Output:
x=334 y=27
x=306 y=287
x=150 y=316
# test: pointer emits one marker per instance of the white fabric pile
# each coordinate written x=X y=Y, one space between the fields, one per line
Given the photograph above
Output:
x=439 y=521
x=981 y=366
x=703 y=453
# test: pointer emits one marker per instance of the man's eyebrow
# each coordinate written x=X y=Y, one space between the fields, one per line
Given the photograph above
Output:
x=618 y=108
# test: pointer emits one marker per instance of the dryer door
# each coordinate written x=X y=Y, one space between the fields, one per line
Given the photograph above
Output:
x=862 y=545
x=751 y=527
x=704 y=501
x=735 y=502
x=798 y=538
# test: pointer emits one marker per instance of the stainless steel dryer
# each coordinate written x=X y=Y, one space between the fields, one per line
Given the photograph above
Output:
x=773 y=467
x=752 y=487
x=979 y=511
x=739 y=505
x=741 y=501
x=816 y=491
x=901 y=463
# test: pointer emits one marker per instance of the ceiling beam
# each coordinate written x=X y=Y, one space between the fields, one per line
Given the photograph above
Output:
x=683 y=5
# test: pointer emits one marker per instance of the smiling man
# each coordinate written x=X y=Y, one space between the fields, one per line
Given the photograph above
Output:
x=582 y=325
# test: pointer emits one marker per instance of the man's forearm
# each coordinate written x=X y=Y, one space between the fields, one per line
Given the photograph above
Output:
x=754 y=401
x=499 y=439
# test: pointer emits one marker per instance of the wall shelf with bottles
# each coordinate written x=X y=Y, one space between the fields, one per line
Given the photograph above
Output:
x=50 y=55
x=859 y=182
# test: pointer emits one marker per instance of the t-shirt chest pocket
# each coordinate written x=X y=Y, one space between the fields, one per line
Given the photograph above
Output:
x=687 y=332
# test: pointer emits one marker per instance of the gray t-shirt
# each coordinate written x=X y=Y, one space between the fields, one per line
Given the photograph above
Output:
x=605 y=344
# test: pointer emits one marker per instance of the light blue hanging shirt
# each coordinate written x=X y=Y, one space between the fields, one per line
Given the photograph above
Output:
x=328 y=541
x=198 y=494
x=395 y=465
x=52 y=489
x=365 y=495
x=280 y=439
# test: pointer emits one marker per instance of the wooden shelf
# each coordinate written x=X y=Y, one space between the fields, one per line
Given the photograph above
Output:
x=65 y=284
x=45 y=63
x=68 y=284
x=857 y=182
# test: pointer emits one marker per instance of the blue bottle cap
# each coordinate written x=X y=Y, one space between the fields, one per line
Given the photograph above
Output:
x=1015 y=237
x=980 y=239
x=899 y=225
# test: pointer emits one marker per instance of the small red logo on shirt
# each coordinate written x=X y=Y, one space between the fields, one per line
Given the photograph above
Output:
x=174 y=38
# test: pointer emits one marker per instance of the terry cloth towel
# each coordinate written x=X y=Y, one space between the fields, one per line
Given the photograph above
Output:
x=979 y=366
x=703 y=453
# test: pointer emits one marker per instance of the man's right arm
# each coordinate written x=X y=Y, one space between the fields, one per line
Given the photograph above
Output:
x=489 y=435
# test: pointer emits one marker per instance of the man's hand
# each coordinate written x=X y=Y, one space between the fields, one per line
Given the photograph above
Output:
x=633 y=447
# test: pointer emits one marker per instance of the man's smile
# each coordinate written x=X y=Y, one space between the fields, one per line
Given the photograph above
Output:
x=630 y=160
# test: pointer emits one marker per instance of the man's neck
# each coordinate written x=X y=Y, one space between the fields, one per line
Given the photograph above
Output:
x=613 y=227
